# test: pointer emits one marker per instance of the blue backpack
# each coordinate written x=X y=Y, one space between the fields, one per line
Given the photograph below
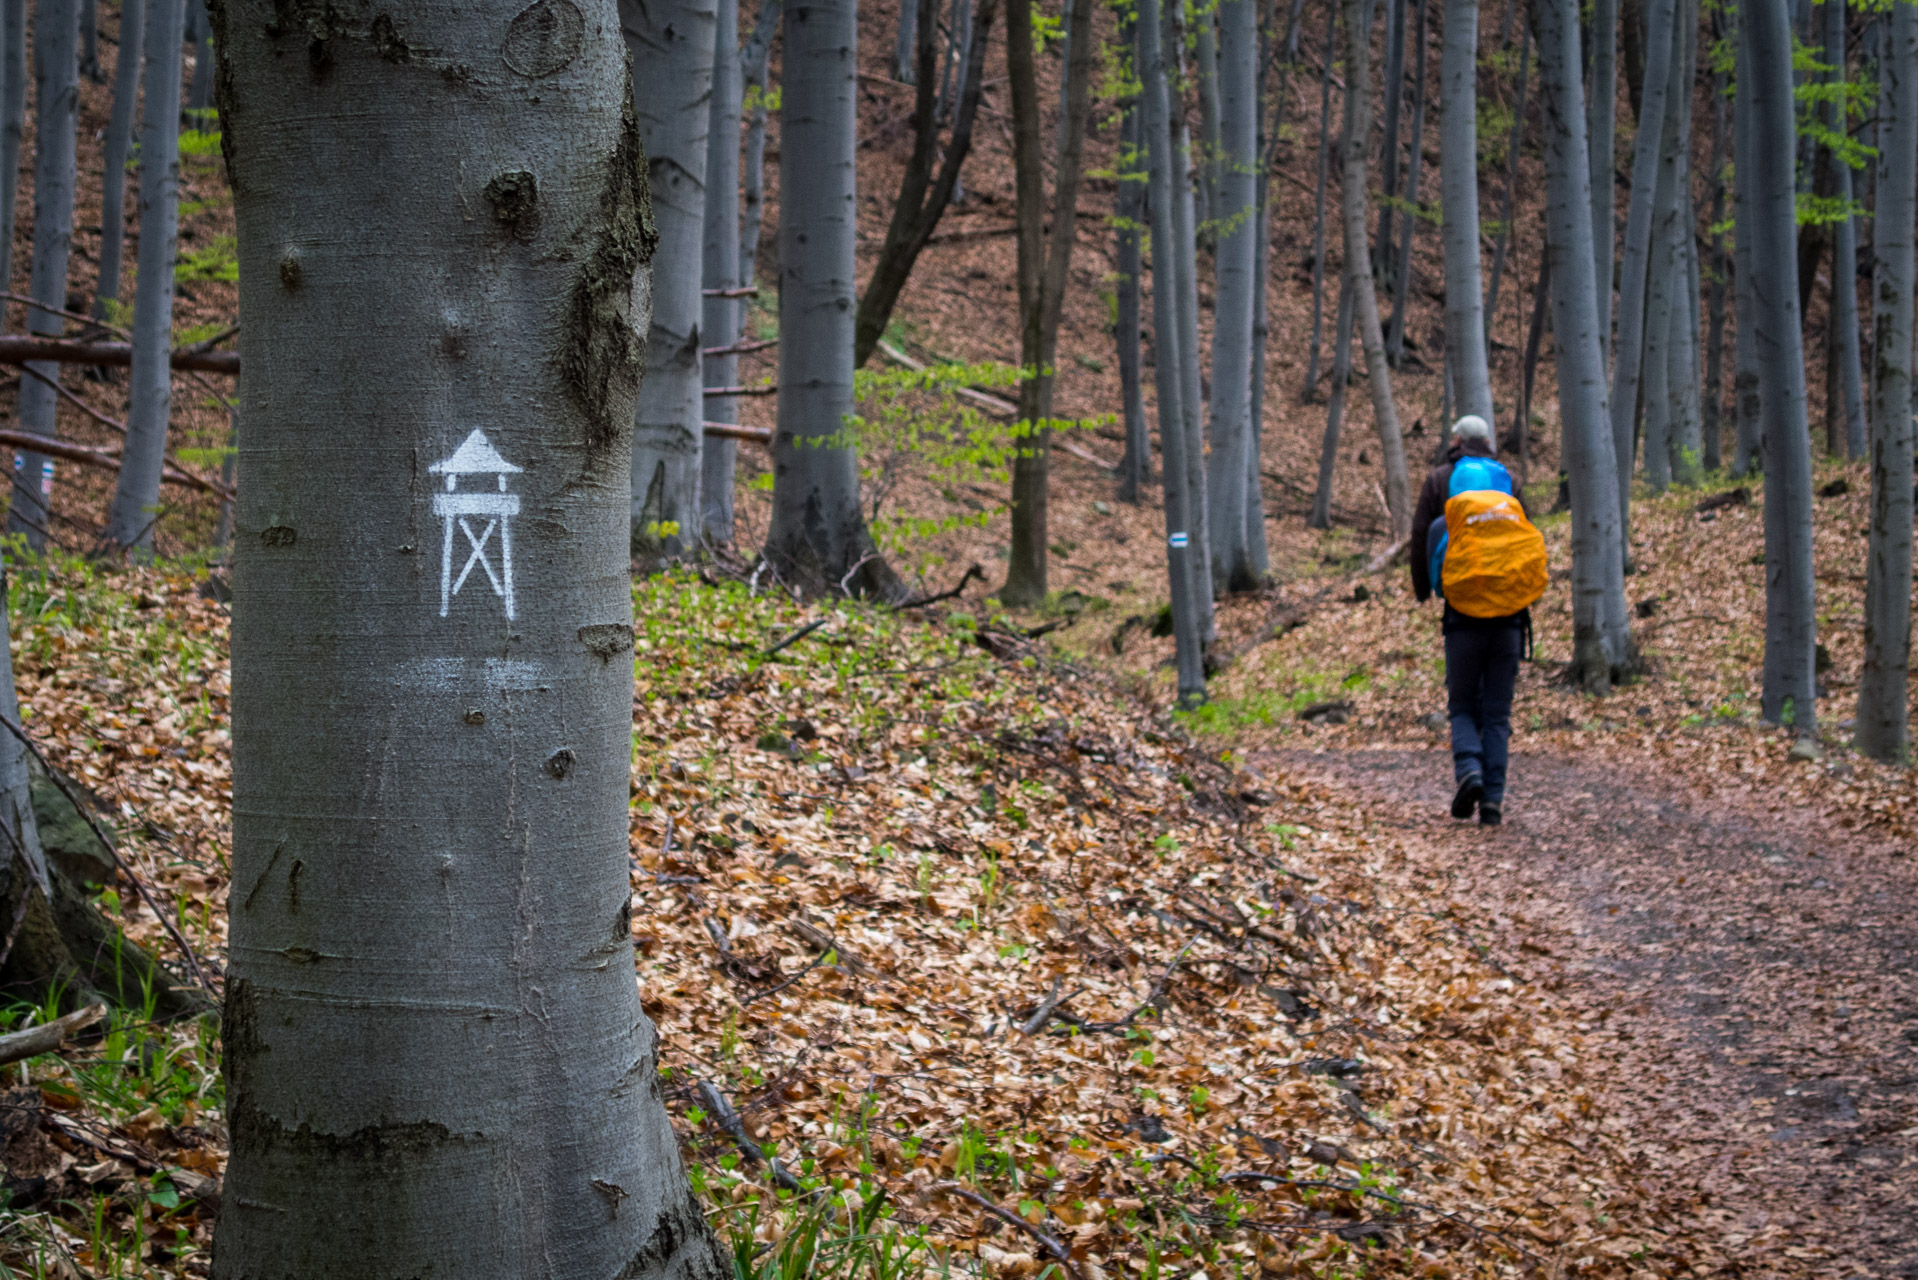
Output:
x=1469 y=474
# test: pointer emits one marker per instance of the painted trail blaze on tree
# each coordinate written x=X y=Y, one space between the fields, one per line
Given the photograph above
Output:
x=435 y=1052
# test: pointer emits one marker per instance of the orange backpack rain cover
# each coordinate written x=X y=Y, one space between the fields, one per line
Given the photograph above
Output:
x=1494 y=557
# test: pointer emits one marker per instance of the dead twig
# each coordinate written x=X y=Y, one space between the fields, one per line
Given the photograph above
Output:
x=1046 y=1241
x=722 y=1114
x=795 y=637
x=974 y=572
x=45 y=1038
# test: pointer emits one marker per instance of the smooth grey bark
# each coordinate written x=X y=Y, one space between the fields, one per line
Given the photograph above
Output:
x=434 y=1048
x=1635 y=261
x=1681 y=380
x=1389 y=149
x=962 y=47
x=119 y=139
x=671 y=46
x=136 y=495
x=1129 y=215
x=1318 y=198
x=56 y=89
x=13 y=121
x=1844 y=264
x=1883 y=682
x=1458 y=184
x=1746 y=399
x=721 y=319
x=1601 y=637
x=1511 y=184
x=1358 y=270
x=1791 y=629
x=1261 y=323
x=1662 y=304
x=753 y=61
x=1183 y=258
x=205 y=68
x=19 y=834
x=1320 y=516
x=1210 y=164
x=1182 y=539
x=1714 y=394
x=906 y=42
x=1402 y=279
x=1234 y=311
x=818 y=540
x=1601 y=133
x=90 y=40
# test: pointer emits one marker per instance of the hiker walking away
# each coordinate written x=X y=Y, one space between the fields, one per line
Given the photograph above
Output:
x=1473 y=546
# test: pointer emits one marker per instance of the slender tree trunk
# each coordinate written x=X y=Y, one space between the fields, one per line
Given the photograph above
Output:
x=1458 y=181
x=1682 y=377
x=1211 y=129
x=922 y=198
x=1636 y=261
x=1790 y=591
x=818 y=539
x=754 y=60
x=1883 y=683
x=1511 y=182
x=1129 y=215
x=126 y=98
x=205 y=70
x=1234 y=313
x=1187 y=627
x=1534 y=336
x=1664 y=291
x=671 y=45
x=465 y=793
x=1045 y=267
x=56 y=79
x=1261 y=275
x=1402 y=280
x=1746 y=400
x=1183 y=250
x=1318 y=197
x=1714 y=402
x=1358 y=270
x=136 y=497
x=1601 y=131
x=1601 y=639
x=1320 y=516
x=1844 y=264
x=90 y=40
x=1383 y=266
x=13 y=122
x=905 y=46
x=722 y=320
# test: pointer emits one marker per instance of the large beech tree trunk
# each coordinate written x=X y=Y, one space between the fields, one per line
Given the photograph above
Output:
x=435 y=1052
x=13 y=122
x=1358 y=271
x=1237 y=212
x=136 y=496
x=1883 y=684
x=721 y=319
x=818 y=540
x=671 y=45
x=56 y=81
x=1601 y=637
x=119 y=143
x=1790 y=592
x=1458 y=181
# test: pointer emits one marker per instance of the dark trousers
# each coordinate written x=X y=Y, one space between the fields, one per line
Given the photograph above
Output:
x=1481 y=671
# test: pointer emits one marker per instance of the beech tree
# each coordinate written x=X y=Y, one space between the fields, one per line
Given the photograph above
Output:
x=1180 y=250
x=1318 y=198
x=754 y=59
x=671 y=44
x=1128 y=217
x=1402 y=278
x=1320 y=517
x=1849 y=395
x=1883 y=683
x=136 y=495
x=721 y=318
x=13 y=120
x=56 y=94
x=1465 y=350
x=434 y=1046
x=1788 y=693
x=1233 y=450
x=119 y=142
x=818 y=540
x=1601 y=133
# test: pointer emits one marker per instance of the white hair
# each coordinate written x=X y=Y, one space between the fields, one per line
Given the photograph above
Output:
x=1472 y=427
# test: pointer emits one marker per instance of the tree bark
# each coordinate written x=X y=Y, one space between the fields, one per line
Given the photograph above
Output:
x=1184 y=252
x=1635 y=262
x=1318 y=198
x=671 y=46
x=1790 y=591
x=1402 y=278
x=721 y=320
x=1181 y=538
x=1714 y=401
x=434 y=1047
x=13 y=122
x=1511 y=184
x=1232 y=455
x=1601 y=132
x=119 y=140
x=1211 y=128
x=818 y=540
x=205 y=70
x=1844 y=264
x=1320 y=517
x=1458 y=180
x=1601 y=638
x=56 y=78
x=1883 y=683
x=1358 y=270
x=1746 y=400
x=90 y=40
x=1383 y=264
x=136 y=496
x=1129 y=214
x=754 y=60
x=923 y=199
x=908 y=38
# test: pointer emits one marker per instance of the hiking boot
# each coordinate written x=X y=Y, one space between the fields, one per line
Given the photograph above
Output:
x=1490 y=815
x=1468 y=795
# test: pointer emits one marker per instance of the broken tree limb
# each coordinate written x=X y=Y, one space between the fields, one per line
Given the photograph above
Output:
x=1045 y=1240
x=722 y=1114
x=749 y=291
x=119 y=428
x=19 y=350
x=103 y=458
x=733 y=431
x=739 y=348
x=1387 y=556
x=34 y=1041
x=712 y=392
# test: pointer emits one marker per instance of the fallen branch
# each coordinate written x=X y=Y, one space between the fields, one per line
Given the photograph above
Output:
x=1048 y=1242
x=714 y=392
x=48 y=1036
x=120 y=429
x=795 y=637
x=723 y=1115
x=733 y=431
x=19 y=350
x=1387 y=556
x=749 y=291
x=105 y=459
x=740 y=348
x=974 y=572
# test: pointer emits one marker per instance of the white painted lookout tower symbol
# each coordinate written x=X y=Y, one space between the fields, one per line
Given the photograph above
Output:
x=476 y=457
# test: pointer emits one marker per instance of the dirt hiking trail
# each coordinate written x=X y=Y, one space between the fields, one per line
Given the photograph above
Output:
x=1747 y=981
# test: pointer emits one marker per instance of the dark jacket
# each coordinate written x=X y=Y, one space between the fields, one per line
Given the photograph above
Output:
x=1431 y=505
